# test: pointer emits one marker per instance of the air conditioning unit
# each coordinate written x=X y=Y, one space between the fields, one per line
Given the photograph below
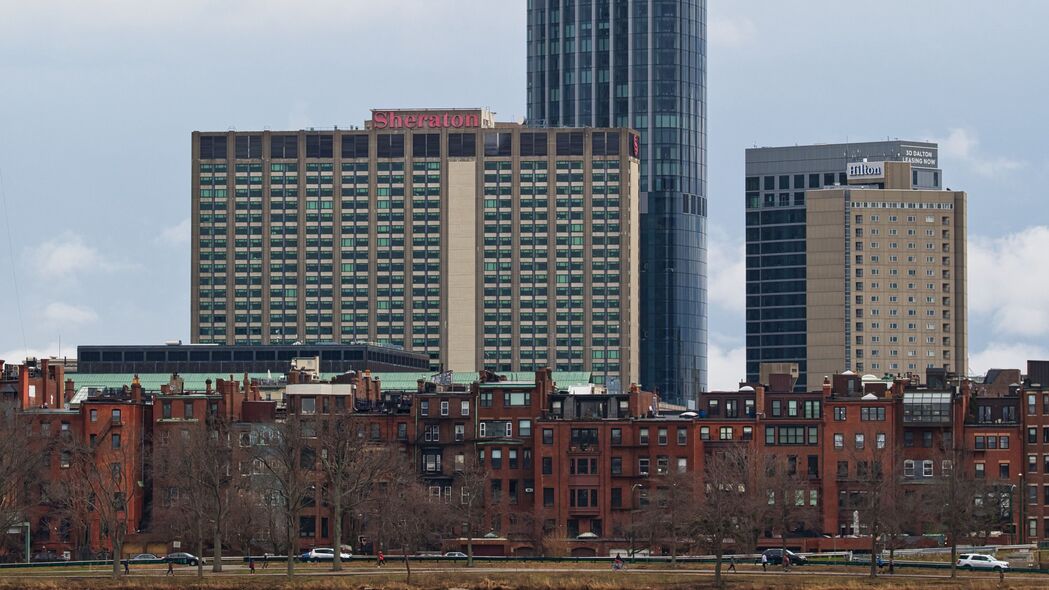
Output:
x=529 y=490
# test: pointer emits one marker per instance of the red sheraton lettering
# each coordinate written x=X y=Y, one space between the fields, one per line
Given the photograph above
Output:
x=394 y=120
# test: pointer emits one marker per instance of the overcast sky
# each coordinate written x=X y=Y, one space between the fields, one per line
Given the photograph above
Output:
x=98 y=100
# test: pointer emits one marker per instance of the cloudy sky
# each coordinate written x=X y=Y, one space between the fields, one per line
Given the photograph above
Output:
x=98 y=100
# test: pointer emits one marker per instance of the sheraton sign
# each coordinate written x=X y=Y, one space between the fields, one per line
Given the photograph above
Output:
x=425 y=120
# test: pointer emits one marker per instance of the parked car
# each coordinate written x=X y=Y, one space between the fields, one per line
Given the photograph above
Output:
x=324 y=554
x=775 y=557
x=144 y=557
x=456 y=554
x=971 y=561
x=185 y=559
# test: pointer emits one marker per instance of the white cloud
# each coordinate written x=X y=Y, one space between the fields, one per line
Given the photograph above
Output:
x=1005 y=286
x=730 y=32
x=68 y=254
x=1013 y=355
x=176 y=235
x=963 y=145
x=726 y=272
x=65 y=314
x=726 y=367
x=17 y=356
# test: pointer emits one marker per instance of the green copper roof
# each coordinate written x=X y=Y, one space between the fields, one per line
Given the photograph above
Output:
x=389 y=380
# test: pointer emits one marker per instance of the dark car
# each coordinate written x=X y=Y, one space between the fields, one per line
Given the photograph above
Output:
x=775 y=557
x=184 y=559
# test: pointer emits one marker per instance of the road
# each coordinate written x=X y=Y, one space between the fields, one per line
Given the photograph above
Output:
x=394 y=569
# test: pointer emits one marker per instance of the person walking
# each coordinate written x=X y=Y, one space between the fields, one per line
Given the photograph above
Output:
x=251 y=564
x=380 y=559
x=732 y=563
x=764 y=562
x=617 y=563
x=127 y=567
x=786 y=561
x=171 y=568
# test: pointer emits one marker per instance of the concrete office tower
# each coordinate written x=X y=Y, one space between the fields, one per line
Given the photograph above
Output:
x=886 y=268
x=642 y=64
x=777 y=180
x=482 y=244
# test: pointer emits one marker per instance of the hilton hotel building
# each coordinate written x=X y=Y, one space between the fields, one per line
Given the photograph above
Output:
x=886 y=275
x=483 y=244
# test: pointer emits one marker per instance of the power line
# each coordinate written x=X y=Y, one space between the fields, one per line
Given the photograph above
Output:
x=14 y=272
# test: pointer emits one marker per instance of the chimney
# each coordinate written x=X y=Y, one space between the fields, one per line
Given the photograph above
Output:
x=207 y=386
x=136 y=390
x=68 y=389
x=759 y=400
x=827 y=389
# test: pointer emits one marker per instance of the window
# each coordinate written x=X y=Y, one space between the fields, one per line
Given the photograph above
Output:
x=682 y=436
x=981 y=470
x=497 y=458
x=497 y=144
x=662 y=436
x=839 y=413
x=402 y=431
x=880 y=440
x=116 y=416
x=524 y=428
x=617 y=465
x=570 y=144
x=725 y=433
x=642 y=466
x=927 y=468
x=704 y=433
x=460 y=432
x=249 y=146
x=115 y=438
x=533 y=144
x=354 y=146
x=1003 y=471
x=464 y=408
x=486 y=399
x=682 y=464
x=859 y=441
x=94 y=415
x=213 y=147
x=839 y=441
x=617 y=497
x=187 y=410
x=584 y=436
x=424 y=407
x=444 y=407
x=284 y=146
x=548 y=497
x=617 y=436
x=643 y=436
x=908 y=468
x=390 y=146
x=426 y=145
x=548 y=465
x=872 y=414
x=548 y=436
x=319 y=146
x=462 y=145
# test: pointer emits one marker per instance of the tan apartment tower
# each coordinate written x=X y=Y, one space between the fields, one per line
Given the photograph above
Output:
x=886 y=275
x=483 y=244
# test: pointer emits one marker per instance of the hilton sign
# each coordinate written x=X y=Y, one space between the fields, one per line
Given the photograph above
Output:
x=866 y=171
x=424 y=120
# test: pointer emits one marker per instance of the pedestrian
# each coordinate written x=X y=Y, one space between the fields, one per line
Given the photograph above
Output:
x=786 y=560
x=127 y=567
x=171 y=568
x=732 y=563
x=380 y=559
x=251 y=564
x=265 y=561
x=764 y=562
x=617 y=564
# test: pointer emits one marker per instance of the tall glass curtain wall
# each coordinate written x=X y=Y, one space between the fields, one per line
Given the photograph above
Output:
x=642 y=64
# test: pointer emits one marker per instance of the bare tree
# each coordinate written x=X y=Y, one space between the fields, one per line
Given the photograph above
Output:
x=197 y=473
x=287 y=459
x=403 y=514
x=789 y=507
x=955 y=500
x=103 y=479
x=666 y=516
x=874 y=493
x=727 y=498
x=20 y=467
x=472 y=479
x=351 y=466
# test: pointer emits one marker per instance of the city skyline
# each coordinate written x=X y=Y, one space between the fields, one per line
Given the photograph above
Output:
x=90 y=274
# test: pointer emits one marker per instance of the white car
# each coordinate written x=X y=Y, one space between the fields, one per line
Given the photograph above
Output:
x=456 y=554
x=983 y=562
x=325 y=554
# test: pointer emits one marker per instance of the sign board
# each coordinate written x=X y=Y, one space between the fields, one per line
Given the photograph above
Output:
x=866 y=171
x=919 y=157
x=424 y=120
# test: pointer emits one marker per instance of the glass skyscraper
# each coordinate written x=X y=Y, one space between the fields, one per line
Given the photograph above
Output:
x=642 y=64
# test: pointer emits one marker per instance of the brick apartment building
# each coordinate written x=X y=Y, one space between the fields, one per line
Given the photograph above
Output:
x=567 y=459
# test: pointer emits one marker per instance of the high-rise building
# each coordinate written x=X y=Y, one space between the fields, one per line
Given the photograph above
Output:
x=642 y=64
x=777 y=180
x=482 y=244
x=885 y=275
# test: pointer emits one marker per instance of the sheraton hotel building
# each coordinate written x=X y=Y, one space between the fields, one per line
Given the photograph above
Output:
x=480 y=243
